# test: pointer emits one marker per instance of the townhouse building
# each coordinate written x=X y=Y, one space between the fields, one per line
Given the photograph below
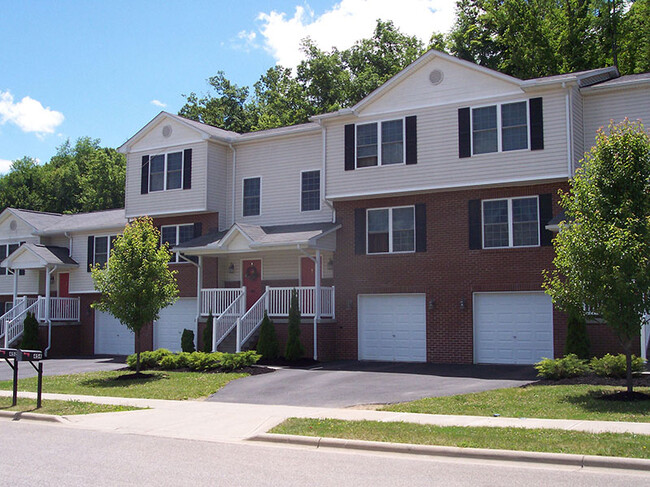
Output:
x=415 y=225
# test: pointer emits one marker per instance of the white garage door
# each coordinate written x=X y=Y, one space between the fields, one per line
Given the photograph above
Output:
x=111 y=336
x=393 y=327
x=512 y=328
x=173 y=320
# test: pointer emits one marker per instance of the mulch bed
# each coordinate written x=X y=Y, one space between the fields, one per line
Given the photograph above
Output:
x=303 y=363
x=252 y=370
x=594 y=380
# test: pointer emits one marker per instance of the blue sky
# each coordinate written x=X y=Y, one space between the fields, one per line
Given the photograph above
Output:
x=103 y=69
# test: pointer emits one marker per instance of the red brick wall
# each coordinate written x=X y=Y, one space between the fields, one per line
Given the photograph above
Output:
x=447 y=272
x=66 y=340
x=326 y=338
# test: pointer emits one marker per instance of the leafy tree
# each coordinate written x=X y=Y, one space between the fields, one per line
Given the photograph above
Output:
x=603 y=254
x=294 y=348
x=19 y=188
x=267 y=343
x=136 y=283
x=102 y=183
x=634 y=40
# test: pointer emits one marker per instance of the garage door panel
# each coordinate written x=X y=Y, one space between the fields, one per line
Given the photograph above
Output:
x=169 y=327
x=111 y=336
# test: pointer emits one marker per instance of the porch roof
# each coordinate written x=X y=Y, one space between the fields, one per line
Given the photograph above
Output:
x=37 y=256
x=244 y=237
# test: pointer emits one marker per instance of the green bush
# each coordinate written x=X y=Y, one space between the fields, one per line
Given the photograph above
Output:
x=267 y=343
x=148 y=359
x=561 y=368
x=577 y=339
x=234 y=361
x=207 y=335
x=30 y=333
x=187 y=341
x=196 y=361
x=294 y=349
x=168 y=363
x=615 y=365
x=201 y=361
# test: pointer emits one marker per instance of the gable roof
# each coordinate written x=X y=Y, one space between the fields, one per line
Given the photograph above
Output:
x=45 y=255
x=38 y=220
x=79 y=222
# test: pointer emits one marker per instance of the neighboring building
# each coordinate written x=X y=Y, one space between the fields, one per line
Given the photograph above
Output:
x=414 y=224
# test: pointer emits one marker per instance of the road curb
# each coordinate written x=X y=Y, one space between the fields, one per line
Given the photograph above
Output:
x=19 y=416
x=457 y=452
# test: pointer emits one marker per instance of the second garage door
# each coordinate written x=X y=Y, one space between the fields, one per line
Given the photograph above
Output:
x=512 y=328
x=173 y=320
x=392 y=327
x=111 y=336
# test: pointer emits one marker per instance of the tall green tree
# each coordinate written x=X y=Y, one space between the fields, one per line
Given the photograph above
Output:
x=136 y=283
x=20 y=187
x=603 y=254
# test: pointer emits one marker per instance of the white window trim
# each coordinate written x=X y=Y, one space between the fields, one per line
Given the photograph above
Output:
x=176 y=258
x=390 y=230
x=243 y=195
x=510 y=223
x=182 y=153
x=379 y=161
x=108 y=247
x=301 y=190
x=499 y=126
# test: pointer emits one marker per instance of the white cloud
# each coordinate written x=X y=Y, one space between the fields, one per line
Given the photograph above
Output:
x=158 y=103
x=245 y=41
x=5 y=165
x=28 y=114
x=349 y=21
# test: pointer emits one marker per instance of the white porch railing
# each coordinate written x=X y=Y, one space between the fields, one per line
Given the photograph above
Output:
x=216 y=301
x=224 y=324
x=251 y=320
x=19 y=306
x=14 y=328
x=280 y=301
x=61 y=309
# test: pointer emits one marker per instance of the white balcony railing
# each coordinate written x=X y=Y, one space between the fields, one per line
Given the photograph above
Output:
x=280 y=301
x=216 y=301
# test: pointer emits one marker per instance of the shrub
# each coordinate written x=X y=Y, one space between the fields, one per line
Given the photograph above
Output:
x=234 y=361
x=207 y=334
x=294 y=348
x=168 y=363
x=577 y=339
x=187 y=341
x=561 y=368
x=201 y=361
x=615 y=365
x=148 y=359
x=267 y=344
x=30 y=333
x=196 y=361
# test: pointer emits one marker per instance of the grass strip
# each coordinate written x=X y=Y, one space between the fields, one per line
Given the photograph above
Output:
x=60 y=408
x=159 y=385
x=539 y=440
x=554 y=402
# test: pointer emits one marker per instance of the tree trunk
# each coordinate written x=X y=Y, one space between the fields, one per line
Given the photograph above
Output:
x=137 y=346
x=628 y=361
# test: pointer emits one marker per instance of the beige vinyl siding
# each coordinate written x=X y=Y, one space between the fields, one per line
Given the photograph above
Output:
x=27 y=284
x=601 y=106
x=170 y=202
x=439 y=166
x=276 y=265
x=80 y=279
x=578 y=126
x=30 y=282
x=279 y=163
x=217 y=183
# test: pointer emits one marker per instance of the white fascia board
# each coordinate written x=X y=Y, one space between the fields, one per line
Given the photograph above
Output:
x=618 y=86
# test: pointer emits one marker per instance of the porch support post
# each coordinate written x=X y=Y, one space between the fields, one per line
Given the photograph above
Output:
x=48 y=291
x=199 y=285
x=317 y=302
x=15 y=297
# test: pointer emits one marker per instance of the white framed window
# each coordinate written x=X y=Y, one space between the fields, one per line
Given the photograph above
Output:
x=390 y=230
x=102 y=249
x=500 y=128
x=252 y=196
x=176 y=235
x=511 y=222
x=166 y=171
x=5 y=251
x=380 y=143
x=310 y=190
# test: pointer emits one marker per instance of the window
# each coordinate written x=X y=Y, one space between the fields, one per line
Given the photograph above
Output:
x=500 y=128
x=391 y=230
x=176 y=235
x=252 y=193
x=166 y=171
x=512 y=222
x=380 y=147
x=102 y=249
x=310 y=191
x=5 y=251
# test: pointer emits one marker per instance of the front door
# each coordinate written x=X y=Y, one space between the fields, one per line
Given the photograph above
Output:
x=64 y=285
x=252 y=279
x=307 y=272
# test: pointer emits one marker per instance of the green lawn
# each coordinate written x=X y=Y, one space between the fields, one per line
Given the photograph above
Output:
x=161 y=385
x=541 y=440
x=60 y=407
x=559 y=402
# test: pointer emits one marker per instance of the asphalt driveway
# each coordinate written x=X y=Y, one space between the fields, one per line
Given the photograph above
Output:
x=346 y=384
x=63 y=366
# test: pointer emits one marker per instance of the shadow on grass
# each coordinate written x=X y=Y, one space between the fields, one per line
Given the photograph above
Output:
x=595 y=401
x=118 y=382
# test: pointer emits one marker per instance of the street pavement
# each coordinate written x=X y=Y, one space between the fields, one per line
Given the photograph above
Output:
x=63 y=366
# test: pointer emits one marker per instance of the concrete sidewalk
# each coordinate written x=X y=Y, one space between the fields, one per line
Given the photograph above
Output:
x=216 y=421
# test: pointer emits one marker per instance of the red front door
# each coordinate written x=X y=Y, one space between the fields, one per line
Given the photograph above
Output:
x=252 y=279
x=64 y=285
x=307 y=272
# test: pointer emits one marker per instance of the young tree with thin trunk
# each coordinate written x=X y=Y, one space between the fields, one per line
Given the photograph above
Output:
x=603 y=250
x=136 y=283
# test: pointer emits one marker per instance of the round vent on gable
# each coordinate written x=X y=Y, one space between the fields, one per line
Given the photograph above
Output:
x=167 y=130
x=436 y=76
x=13 y=225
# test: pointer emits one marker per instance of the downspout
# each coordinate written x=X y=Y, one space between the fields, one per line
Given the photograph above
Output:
x=48 y=274
x=324 y=170
x=234 y=182
x=70 y=243
x=199 y=283
x=317 y=293
x=569 y=130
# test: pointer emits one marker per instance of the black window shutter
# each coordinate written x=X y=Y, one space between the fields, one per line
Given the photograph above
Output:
x=545 y=216
x=21 y=272
x=187 y=169
x=360 y=231
x=411 y=140
x=198 y=229
x=144 y=175
x=111 y=242
x=420 y=228
x=536 y=124
x=349 y=147
x=475 y=241
x=464 y=133
x=91 y=253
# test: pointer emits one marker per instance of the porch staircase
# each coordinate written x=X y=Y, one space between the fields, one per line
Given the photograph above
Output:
x=235 y=326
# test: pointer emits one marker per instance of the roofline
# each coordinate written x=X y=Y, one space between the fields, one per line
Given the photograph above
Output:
x=618 y=85
x=16 y=215
x=25 y=248
x=570 y=77
x=47 y=232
